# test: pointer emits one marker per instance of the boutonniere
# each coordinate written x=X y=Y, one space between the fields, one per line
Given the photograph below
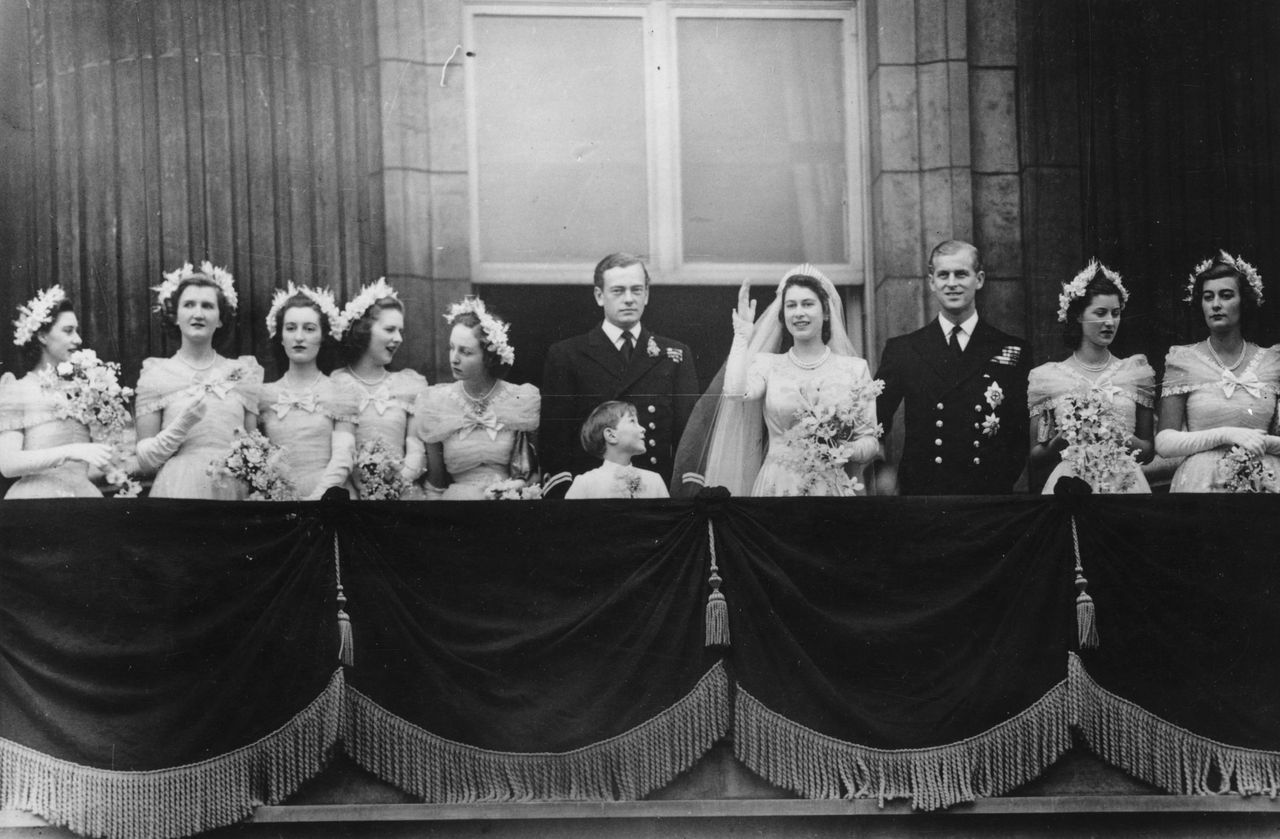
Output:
x=991 y=425
x=675 y=354
x=1008 y=356
x=994 y=395
x=652 y=348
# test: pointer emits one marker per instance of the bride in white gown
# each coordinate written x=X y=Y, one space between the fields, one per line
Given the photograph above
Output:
x=767 y=390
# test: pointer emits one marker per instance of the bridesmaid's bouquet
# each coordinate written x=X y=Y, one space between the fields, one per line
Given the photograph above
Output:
x=379 y=472
x=1239 y=471
x=512 y=489
x=1097 y=443
x=256 y=461
x=93 y=395
x=820 y=442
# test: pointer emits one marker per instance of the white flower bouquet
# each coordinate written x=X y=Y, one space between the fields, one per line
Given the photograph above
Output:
x=255 y=460
x=378 y=472
x=1239 y=471
x=512 y=489
x=92 y=392
x=820 y=442
x=1097 y=443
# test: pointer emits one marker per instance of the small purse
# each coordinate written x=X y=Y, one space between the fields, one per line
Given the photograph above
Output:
x=524 y=457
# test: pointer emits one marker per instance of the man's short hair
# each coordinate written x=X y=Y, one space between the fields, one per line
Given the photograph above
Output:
x=619 y=260
x=956 y=246
x=606 y=415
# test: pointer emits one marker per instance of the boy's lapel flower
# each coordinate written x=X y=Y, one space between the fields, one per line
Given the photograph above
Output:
x=652 y=348
x=994 y=395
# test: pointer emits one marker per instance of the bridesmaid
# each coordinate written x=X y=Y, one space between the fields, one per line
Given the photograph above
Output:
x=303 y=411
x=1221 y=392
x=1090 y=307
x=50 y=456
x=190 y=404
x=370 y=332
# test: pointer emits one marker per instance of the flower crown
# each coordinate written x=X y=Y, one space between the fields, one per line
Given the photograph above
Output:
x=220 y=276
x=320 y=296
x=1250 y=274
x=1080 y=282
x=36 y=313
x=358 y=305
x=495 y=331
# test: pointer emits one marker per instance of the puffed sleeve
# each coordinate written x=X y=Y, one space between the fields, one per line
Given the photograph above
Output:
x=406 y=387
x=435 y=416
x=1179 y=376
x=1138 y=381
x=151 y=391
x=11 y=404
x=249 y=387
x=342 y=402
x=520 y=408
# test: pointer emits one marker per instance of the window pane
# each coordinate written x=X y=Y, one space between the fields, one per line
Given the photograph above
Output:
x=762 y=140
x=560 y=119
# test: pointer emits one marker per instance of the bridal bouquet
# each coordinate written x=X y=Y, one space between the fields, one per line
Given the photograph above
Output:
x=92 y=391
x=255 y=460
x=379 y=473
x=1097 y=444
x=1239 y=471
x=512 y=489
x=819 y=444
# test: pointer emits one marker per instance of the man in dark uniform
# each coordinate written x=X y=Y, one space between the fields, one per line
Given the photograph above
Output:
x=619 y=359
x=964 y=384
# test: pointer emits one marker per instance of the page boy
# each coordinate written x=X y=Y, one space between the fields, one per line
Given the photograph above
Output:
x=613 y=433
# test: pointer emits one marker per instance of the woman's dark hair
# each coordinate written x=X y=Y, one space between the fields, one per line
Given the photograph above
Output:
x=33 y=350
x=326 y=360
x=1220 y=270
x=1098 y=286
x=356 y=339
x=814 y=285
x=492 y=362
x=226 y=314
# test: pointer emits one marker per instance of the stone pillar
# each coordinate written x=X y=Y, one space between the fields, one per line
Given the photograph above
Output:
x=424 y=174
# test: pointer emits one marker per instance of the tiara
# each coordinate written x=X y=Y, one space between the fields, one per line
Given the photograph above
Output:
x=36 y=313
x=320 y=296
x=1250 y=274
x=220 y=276
x=495 y=331
x=357 y=306
x=1080 y=282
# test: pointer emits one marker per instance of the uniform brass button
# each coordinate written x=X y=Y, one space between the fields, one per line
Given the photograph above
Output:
x=976 y=461
x=977 y=443
x=938 y=442
x=976 y=425
x=652 y=426
x=977 y=408
x=938 y=424
x=654 y=410
x=937 y=460
x=939 y=406
x=653 y=460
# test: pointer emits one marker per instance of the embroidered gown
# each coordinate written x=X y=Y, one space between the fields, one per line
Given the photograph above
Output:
x=231 y=387
x=1219 y=398
x=786 y=388
x=29 y=407
x=301 y=422
x=383 y=410
x=1126 y=383
x=477 y=437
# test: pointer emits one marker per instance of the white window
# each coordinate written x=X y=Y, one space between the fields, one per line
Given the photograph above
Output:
x=721 y=141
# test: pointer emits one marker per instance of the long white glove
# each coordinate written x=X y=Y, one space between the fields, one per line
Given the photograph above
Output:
x=1171 y=443
x=341 y=459
x=154 y=451
x=415 y=459
x=18 y=463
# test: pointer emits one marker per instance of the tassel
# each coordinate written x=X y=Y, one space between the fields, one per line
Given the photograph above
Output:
x=717 y=614
x=346 y=641
x=1086 y=618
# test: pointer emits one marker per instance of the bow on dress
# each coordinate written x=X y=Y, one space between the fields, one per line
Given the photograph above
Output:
x=1248 y=382
x=286 y=403
x=485 y=420
x=380 y=399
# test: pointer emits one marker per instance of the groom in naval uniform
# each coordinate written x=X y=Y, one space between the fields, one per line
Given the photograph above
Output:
x=619 y=359
x=964 y=385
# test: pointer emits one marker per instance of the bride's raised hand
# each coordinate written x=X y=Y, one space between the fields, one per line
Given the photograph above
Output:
x=744 y=316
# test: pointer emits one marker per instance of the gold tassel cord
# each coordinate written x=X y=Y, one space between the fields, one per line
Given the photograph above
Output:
x=717 y=611
x=346 y=640
x=179 y=801
x=1086 y=619
x=625 y=767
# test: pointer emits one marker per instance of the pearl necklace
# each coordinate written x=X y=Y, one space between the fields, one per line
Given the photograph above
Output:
x=212 y=362
x=1244 y=348
x=1092 y=368
x=809 y=365
x=365 y=381
x=480 y=401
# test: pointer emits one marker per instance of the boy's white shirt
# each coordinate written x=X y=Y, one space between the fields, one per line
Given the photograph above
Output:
x=607 y=482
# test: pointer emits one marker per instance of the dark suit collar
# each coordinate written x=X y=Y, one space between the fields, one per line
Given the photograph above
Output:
x=641 y=361
x=943 y=364
x=603 y=352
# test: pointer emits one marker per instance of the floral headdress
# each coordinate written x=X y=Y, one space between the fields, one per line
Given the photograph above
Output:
x=495 y=331
x=220 y=276
x=36 y=313
x=357 y=306
x=1248 y=271
x=320 y=296
x=1080 y=282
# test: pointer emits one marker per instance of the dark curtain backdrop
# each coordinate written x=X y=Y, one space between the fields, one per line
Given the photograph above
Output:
x=141 y=135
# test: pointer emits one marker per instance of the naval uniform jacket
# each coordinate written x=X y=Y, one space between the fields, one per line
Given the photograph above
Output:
x=583 y=371
x=957 y=442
